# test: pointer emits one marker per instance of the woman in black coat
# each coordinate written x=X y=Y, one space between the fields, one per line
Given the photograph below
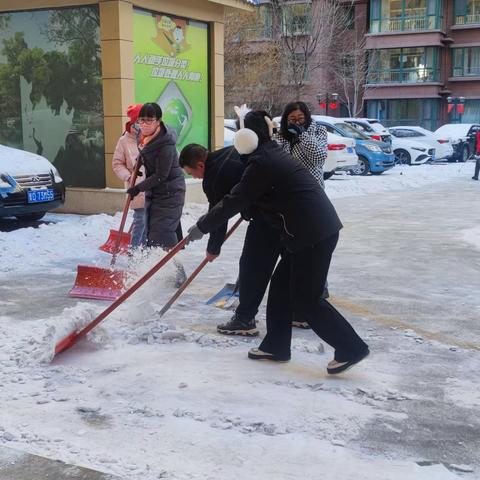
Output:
x=293 y=202
x=164 y=185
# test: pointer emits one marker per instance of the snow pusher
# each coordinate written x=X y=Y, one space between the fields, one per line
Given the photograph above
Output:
x=105 y=283
x=190 y=279
x=113 y=238
x=226 y=298
x=73 y=337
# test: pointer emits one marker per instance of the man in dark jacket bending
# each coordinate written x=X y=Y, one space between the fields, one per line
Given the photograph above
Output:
x=221 y=171
x=291 y=201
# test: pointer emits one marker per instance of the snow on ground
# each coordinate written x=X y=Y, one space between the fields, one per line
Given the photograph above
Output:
x=472 y=235
x=148 y=397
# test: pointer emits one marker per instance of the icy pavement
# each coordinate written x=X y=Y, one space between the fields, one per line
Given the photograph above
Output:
x=148 y=398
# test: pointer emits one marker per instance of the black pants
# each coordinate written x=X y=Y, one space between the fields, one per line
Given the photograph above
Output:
x=477 y=166
x=260 y=253
x=296 y=287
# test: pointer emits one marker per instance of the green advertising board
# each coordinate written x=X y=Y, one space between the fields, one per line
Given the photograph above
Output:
x=171 y=68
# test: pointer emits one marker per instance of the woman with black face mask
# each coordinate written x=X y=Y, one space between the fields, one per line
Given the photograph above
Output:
x=304 y=139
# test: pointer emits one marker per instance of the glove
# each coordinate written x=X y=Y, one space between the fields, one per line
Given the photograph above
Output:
x=133 y=191
x=295 y=129
x=194 y=233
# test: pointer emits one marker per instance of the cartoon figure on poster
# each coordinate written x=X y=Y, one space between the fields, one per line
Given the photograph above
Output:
x=171 y=35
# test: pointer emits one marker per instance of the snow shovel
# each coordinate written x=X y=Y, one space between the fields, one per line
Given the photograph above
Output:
x=125 y=239
x=104 y=283
x=73 y=337
x=227 y=298
x=190 y=279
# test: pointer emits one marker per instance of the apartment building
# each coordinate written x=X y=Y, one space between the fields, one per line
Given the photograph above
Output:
x=424 y=61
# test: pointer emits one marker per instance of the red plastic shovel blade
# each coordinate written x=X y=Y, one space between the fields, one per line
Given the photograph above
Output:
x=110 y=244
x=98 y=283
x=66 y=343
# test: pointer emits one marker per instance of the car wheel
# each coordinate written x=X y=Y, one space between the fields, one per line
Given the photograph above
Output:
x=465 y=154
x=327 y=175
x=402 y=157
x=362 y=168
x=31 y=217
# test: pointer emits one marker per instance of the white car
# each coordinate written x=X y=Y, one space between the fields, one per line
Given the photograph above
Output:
x=228 y=136
x=442 y=146
x=461 y=138
x=29 y=185
x=341 y=155
x=411 y=152
x=373 y=129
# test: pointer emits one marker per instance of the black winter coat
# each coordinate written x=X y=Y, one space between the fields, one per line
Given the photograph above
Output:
x=164 y=177
x=223 y=170
x=287 y=195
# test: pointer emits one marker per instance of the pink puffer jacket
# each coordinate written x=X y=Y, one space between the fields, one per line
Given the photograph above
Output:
x=123 y=163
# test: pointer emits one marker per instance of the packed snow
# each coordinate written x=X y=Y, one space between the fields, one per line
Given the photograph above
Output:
x=145 y=397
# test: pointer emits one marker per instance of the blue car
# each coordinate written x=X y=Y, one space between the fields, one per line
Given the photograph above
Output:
x=373 y=156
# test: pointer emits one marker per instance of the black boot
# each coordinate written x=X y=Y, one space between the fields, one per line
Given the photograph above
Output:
x=239 y=326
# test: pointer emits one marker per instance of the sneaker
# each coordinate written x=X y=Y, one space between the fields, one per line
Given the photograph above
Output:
x=239 y=326
x=257 y=354
x=303 y=325
x=334 y=367
x=474 y=178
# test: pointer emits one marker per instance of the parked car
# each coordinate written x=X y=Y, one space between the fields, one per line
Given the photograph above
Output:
x=443 y=148
x=375 y=130
x=410 y=152
x=373 y=156
x=30 y=185
x=228 y=136
x=461 y=138
x=341 y=155
x=230 y=123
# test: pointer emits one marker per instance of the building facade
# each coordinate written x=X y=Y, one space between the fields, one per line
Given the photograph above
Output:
x=70 y=68
x=424 y=62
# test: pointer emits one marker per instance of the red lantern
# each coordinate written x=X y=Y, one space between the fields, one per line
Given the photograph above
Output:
x=333 y=105
x=323 y=105
x=460 y=108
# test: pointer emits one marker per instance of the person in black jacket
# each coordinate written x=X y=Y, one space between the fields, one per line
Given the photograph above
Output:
x=293 y=202
x=221 y=171
x=164 y=185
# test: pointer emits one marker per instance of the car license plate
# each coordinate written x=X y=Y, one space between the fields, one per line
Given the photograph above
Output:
x=37 y=196
x=349 y=149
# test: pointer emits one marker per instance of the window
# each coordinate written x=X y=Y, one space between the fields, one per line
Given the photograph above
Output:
x=404 y=65
x=404 y=133
x=401 y=15
x=410 y=111
x=296 y=19
x=466 y=62
x=467 y=12
x=51 y=90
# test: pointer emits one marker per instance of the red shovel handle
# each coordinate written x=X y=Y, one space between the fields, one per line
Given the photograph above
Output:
x=71 y=339
x=190 y=279
x=133 y=179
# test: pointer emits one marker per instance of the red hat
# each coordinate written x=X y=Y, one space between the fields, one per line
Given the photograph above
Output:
x=133 y=111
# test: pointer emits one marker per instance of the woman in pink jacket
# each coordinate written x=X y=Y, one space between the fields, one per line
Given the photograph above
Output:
x=123 y=164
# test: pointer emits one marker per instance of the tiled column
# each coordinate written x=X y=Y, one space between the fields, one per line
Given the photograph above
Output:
x=116 y=31
x=217 y=84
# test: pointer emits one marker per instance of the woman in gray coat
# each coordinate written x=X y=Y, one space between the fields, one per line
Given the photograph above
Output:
x=164 y=185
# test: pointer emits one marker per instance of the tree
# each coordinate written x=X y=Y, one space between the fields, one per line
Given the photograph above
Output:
x=253 y=62
x=308 y=32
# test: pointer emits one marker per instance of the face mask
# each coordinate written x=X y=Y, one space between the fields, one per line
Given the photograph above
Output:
x=148 y=129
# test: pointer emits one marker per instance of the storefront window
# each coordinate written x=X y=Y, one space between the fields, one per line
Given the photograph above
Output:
x=466 y=62
x=413 y=111
x=171 y=68
x=51 y=92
